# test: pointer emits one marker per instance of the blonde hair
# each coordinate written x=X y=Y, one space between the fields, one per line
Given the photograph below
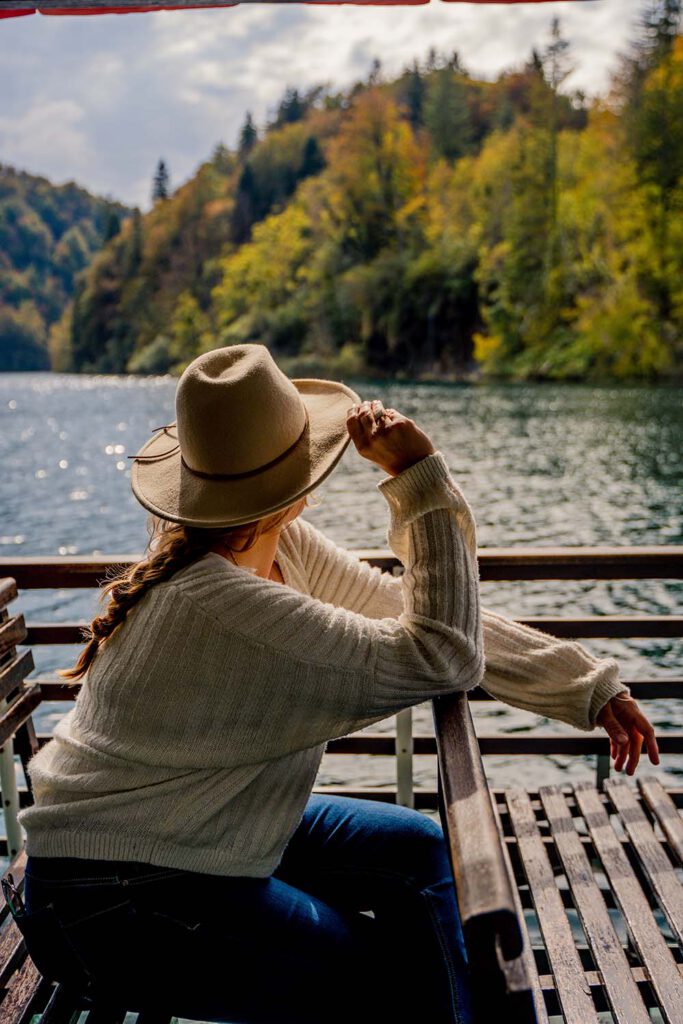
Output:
x=171 y=547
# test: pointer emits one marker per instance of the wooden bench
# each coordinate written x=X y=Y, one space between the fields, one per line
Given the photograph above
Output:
x=570 y=900
x=605 y=860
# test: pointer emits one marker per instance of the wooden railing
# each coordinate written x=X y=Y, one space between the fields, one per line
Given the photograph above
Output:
x=510 y=564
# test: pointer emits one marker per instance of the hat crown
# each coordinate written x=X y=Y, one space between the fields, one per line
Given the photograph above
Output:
x=236 y=411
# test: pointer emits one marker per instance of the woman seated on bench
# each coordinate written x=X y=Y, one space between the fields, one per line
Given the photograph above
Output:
x=174 y=830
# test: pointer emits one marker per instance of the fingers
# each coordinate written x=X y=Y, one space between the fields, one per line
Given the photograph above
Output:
x=629 y=730
x=619 y=739
x=634 y=752
x=647 y=734
x=355 y=427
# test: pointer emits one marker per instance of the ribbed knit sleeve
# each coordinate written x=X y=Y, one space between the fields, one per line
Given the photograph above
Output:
x=293 y=671
x=524 y=667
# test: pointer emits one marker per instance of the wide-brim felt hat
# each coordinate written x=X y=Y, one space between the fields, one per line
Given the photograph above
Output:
x=247 y=440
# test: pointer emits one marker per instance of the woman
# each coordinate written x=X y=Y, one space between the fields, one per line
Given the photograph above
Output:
x=174 y=833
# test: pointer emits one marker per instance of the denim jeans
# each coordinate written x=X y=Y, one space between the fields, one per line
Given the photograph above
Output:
x=298 y=947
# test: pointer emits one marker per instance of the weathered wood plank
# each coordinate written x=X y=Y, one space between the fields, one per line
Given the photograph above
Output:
x=12 y=632
x=640 y=975
x=15 y=671
x=22 y=993
x=664 y=809
x=19 y=711
x=517 y=563
x=621 y=990
x=651 y=854
x=527 y=959
x=572 y=990
x=12 y=951
x=484 y=888
x=647 y=938
x=8 y=590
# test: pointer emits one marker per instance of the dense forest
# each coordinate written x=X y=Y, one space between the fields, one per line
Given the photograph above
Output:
x=48 y=235
x=432 y=224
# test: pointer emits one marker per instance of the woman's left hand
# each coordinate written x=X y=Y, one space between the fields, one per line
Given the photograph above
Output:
x=627 y=728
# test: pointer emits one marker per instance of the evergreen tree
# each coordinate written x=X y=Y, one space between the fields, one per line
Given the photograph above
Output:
x=290 y=109
x=413 y=94
x=133 y=254
x=556 y=68
x=248 y=136
x=246 y=210
x=222 y=159
x=160 y=182
x=313 y=161
x=111 y=226
x=375 y=72
x=447 y=114
x=650 y=83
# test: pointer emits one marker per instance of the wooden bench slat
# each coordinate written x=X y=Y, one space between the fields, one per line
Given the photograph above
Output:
x=647 y=938
x=527 y=955
x=22 y=994
x=572 y=989
x=484 y=887
x=12 y=951
x=8 y=591
x=12 y=632
x=651 y=855
x=13 y=673
x=17 y=713
x=664 y=810
x=640 y=975
x=621 y=990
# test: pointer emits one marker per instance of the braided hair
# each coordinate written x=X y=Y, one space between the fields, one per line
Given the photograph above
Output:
x=171 y=547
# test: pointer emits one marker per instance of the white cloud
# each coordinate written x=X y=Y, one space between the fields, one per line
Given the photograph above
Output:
x=55 y=127
x=101 y=99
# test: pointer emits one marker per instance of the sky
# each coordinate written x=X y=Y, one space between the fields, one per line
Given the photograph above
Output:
x=99 y=100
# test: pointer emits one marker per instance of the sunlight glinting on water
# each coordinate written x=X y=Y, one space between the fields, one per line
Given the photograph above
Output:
x=540 y=464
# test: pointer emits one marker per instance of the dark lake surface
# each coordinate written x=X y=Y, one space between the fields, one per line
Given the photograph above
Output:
x=541 y=465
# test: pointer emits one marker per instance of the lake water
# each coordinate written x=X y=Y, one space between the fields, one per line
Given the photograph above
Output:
x=541 y=464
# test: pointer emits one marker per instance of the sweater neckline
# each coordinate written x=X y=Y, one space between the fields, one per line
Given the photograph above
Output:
x=280 y=558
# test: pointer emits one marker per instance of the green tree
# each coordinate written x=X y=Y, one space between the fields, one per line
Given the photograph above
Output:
x=160 y=182
x=650 y=88
x=291 y=108
x=446 y=113
x=248 y=136
x=313 y=160
x=412 y=94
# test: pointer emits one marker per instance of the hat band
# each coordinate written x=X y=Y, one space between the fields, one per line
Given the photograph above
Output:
x=224 y=476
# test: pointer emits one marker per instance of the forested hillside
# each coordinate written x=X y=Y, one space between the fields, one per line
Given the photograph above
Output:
x=430 y=224
x=48 y=234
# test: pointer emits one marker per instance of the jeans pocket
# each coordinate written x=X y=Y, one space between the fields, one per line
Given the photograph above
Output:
x=50 y=949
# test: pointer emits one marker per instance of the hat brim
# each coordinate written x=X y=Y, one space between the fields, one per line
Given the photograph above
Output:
x=166 y=487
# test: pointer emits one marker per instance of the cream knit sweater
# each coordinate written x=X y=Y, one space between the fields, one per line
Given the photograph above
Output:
x=198 y=732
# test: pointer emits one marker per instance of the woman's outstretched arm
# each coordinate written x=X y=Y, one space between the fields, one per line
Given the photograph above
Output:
x=524 y=667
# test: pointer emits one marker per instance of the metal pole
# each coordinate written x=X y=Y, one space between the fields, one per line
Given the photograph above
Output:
x=10 y=796
x=404 y=758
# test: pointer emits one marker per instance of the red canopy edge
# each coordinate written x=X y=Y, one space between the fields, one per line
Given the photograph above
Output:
x=12 y=8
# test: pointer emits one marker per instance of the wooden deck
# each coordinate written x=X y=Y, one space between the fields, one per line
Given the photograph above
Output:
x=571 y=897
